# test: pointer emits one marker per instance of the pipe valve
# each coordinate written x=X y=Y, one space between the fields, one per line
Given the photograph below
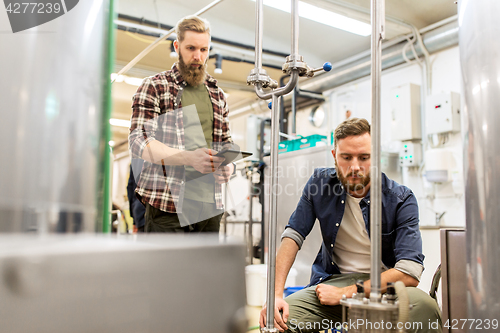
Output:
x=327 y=66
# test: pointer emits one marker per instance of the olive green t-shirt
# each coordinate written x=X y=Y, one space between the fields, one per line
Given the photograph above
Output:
x=198 y=117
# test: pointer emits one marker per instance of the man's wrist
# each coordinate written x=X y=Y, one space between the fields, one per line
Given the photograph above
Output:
x=186 y=157
x=349 y=290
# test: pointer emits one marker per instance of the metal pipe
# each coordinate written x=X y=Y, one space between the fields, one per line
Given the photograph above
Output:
x=295 y=28
x=148 y=25
x=435 y=40
x=294 y=111
x=157 y=41
x=294 y=66
x=294 y=78
x=273 y=212
x=259 y=22
x=377 y=18
x=250 y=218
x=283 y=114
x=358 y=66
x=426 y=87
x=438 y=24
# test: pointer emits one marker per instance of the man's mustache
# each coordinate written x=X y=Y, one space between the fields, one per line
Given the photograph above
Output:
x=356 y=174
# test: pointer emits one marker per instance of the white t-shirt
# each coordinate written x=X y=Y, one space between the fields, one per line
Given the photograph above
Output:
x=352 y=245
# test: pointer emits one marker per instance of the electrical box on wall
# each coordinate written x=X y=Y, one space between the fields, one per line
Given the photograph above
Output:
x=410 y=154
x=405 y=113
x=443 y=113
x=439 y=165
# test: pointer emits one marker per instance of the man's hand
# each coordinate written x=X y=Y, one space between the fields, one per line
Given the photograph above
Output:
x=331 y=295
x=223 y=173
x=203 y=160
x=279 y=323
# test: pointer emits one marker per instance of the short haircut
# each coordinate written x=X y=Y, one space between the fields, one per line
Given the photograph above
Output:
x=191 y=23
x=350 y=127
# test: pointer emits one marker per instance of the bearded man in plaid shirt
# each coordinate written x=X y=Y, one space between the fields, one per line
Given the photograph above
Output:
x=179 y=122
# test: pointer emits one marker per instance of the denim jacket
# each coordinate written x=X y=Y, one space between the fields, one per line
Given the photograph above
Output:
x=324 y=198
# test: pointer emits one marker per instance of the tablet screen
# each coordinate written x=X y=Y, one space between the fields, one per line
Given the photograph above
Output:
x=232 y=155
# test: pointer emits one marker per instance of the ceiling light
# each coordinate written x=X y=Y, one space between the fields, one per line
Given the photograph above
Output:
x=119 y=122
x=218 y=64
x=173 y=54
x=133 y=81
x=323 y=16
x=116 y=78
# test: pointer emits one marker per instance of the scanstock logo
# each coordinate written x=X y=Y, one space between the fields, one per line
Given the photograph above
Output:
x=25 y=15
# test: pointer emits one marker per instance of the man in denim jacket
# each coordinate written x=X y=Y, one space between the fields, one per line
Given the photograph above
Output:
x=340 y=200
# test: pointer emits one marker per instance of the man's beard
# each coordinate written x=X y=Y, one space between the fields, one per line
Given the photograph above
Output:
x=192 y=75
x=358 y=188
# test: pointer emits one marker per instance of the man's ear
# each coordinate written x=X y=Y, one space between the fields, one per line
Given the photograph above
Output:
x=333 y=153
x=176 y=46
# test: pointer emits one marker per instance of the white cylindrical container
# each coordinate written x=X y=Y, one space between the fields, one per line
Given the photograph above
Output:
x=256 y=284
x=256 y=276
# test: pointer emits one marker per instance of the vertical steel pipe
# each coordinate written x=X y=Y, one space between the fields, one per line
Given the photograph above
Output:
x=250 y=219
x=259 y=23
x=273 y=211
x=260 y=80
x=295 y=28
x=294 y=111
x=377 y=16
x=479 y=46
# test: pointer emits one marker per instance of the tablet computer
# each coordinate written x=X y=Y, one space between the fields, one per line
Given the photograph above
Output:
x=231 y=155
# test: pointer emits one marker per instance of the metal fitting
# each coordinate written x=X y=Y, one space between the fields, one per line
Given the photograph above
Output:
x=269 y=330
x=296 y=62
x=261 y=77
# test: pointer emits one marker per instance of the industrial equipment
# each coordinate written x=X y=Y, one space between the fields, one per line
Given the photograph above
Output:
x=86 y=283
x=295 y=67
x=479 y=58
x=383 y=313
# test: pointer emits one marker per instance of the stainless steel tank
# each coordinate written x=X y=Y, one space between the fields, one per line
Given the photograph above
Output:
x=145 y=284
x=52 y=86
x=479 y=43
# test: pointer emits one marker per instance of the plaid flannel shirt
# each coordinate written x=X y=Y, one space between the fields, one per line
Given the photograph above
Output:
x=157 y=115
